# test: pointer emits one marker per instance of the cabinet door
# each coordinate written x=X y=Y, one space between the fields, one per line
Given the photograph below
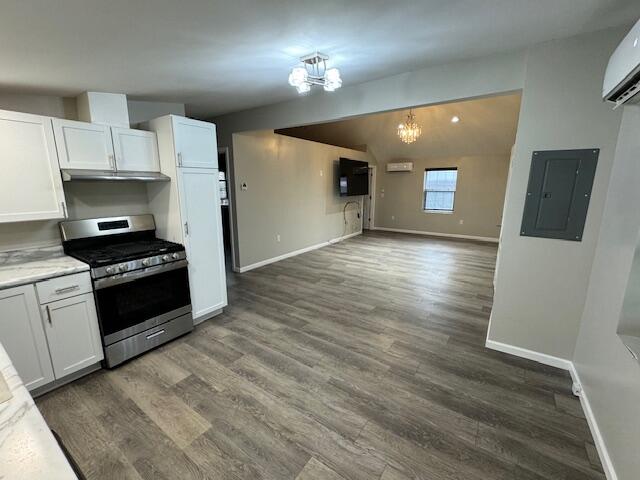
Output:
x=22 y=335
x=83 y=146
x=201 y=216
x=73 y=335
x=135 y=150
x=196 y=145
x=30 y=183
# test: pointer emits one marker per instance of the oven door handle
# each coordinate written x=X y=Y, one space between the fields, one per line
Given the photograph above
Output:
x=137 y=274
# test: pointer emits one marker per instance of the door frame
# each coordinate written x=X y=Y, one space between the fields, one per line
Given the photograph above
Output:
x=372 y=200
x=232 y=204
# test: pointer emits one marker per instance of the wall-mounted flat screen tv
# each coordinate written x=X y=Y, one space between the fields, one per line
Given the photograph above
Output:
x=353 y=178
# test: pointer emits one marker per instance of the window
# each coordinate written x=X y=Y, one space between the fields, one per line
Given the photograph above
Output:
x=440 y=189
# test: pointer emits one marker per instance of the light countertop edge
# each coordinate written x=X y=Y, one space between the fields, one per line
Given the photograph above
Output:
x=28 y=449
x=23 y=267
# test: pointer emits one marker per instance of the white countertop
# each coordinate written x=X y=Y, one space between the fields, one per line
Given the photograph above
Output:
x=28 y=449
x=21 y=267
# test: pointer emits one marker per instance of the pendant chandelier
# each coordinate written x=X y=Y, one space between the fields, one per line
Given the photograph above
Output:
x=409 y=131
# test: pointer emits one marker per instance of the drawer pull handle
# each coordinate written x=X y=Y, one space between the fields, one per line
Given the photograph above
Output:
x=48 y=313
x=71 y=288
x=156 y=334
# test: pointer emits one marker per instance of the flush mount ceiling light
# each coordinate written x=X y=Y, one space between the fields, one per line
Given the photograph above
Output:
x=314 y=71
x=455 y=119
x=409 y=131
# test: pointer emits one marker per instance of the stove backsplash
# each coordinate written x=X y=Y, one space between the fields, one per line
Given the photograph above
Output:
x=84 y=200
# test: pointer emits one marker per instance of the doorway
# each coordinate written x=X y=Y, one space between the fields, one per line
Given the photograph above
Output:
x=226 y=205
x=369 y=202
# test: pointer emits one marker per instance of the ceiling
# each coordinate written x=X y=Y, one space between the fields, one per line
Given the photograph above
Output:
x=487 y=127
x=219 y=56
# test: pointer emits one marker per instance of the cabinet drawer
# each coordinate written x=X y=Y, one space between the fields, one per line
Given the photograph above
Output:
x=63 y=287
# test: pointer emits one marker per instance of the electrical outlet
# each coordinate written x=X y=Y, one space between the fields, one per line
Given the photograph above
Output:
x=461 y=221
x=278 y=238
x=243 y=186
x=393 y=217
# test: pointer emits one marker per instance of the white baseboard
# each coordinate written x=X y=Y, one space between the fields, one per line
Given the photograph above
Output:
x=543 y=358
x=296 y=252
x=439 y=234
x=598 y=439
x=565 y=364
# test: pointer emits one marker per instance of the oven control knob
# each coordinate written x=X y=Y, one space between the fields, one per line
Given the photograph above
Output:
x=165 y=258
x=175 y=256
x=123 y=267
x=109 y=269
x=146 y=262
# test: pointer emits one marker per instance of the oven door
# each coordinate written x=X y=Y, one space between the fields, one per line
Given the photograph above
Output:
x=132 y=302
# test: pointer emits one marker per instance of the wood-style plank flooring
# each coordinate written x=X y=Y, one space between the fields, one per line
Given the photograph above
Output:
x=361 y=360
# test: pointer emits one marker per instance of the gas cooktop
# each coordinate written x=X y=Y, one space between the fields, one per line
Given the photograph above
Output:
x=124 y=252
x=117 y=245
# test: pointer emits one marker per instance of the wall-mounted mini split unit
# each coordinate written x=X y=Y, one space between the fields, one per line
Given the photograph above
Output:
x=400 y=167
x=622 y=78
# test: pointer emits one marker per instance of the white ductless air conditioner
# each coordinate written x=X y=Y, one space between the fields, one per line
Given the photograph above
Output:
x=400 y=167
x=622 y=78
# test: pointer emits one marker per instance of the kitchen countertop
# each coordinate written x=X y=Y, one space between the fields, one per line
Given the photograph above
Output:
x=27 y=446
x=20 y=267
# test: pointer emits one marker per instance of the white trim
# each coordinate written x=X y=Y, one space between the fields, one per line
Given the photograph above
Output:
x=598 y=439
x=565 y=364
x=543 y=358
x=209 y=313
x=439 y=234
x=296 y=252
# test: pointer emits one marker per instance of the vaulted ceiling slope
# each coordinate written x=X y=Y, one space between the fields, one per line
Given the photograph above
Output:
x=487 y=126
x=219 y=56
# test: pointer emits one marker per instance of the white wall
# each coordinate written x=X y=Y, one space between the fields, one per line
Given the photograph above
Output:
x=142 y=111
x=478 y=200
x=291 y=192
x=610 y=376
x=542 y=283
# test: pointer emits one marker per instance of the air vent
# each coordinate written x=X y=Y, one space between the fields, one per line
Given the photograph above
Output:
x=627 y=92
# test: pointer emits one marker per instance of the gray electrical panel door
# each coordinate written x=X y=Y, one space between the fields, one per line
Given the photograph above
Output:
x=558 y=193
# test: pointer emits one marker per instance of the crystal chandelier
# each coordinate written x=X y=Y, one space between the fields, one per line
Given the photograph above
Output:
x=314 y=71
x=409 y=131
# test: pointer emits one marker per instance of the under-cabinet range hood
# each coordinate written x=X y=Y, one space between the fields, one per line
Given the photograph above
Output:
x=69 y=175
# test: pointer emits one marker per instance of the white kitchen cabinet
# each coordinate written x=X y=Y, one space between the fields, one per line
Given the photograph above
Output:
x=83 y=146
x=30 y=183
x=23 y=337
x=194 y=142
x=73 y=336
x=202 y=223
x=187 y=209
x=91 y=146
x=135 y=150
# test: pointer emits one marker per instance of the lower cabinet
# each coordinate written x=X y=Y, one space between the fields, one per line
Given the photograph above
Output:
x=48 y=341
x=71 y=327
x=22 y=335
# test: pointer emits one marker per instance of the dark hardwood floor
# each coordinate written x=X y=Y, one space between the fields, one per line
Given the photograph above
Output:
x=361 y=360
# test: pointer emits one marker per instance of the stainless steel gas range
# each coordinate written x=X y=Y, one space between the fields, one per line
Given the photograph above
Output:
x=140 y=282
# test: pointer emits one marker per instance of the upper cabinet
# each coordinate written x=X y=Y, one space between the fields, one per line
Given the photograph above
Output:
x=30 y=184
x=135 y=150
x=83 y=146
x=194 y=142
x=91 y=146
